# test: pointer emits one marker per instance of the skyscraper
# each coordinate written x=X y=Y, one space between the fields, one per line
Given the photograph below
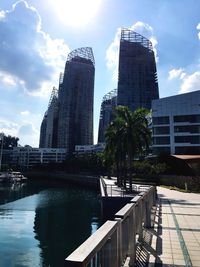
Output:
x=75 y=97
x=49 y=126
x=137 y=81
x=109 y=102
x=43 y=129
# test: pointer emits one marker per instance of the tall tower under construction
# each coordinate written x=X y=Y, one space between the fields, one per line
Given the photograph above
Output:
x=49 y=126
x=137 y=79
x=108 y=104
x=75 y=98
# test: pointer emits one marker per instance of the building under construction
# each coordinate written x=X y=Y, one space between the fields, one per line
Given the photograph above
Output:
x=69 y=119
x=75 y=97
x=109 y=102
x=137 y=80
x=49 y=126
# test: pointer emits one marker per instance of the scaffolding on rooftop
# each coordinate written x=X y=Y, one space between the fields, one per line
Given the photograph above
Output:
x=53 y=97
x=134 y=37
x=82 y=52
x=110 y=95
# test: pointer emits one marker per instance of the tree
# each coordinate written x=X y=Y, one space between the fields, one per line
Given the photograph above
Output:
x=127 y=136
x=10 y=141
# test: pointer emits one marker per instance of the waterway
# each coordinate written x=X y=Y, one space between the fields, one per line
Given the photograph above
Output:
x=41 y=224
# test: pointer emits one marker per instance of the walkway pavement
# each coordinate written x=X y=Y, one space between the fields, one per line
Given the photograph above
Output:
x=175 y=238
x=113 y=190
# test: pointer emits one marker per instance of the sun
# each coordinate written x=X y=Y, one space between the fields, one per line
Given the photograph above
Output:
x=76 y=12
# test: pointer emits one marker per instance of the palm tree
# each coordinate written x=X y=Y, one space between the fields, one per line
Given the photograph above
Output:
x=115 y=150
x=127 y=136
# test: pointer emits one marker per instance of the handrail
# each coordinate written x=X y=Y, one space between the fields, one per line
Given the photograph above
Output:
x=114 y=243
x=103 y=187
x=83 y=254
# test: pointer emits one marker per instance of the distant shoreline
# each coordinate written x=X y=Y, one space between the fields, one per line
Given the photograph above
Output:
x=79 y=179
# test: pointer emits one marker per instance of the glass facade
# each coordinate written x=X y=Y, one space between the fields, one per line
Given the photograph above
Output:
x=192 y=139
x=75 y=98
x=163 y=140
x=160 y=120
x=160 y=150
x=43 y=130
x=178 y=118
x=161 y=130
x=187 y=118
x=108 y=104
x=186 y=150
x=69 y=118
x=187 y=128
x=49 y=126
x=137 y=80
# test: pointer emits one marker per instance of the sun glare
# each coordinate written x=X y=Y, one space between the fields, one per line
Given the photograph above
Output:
x=76 y=12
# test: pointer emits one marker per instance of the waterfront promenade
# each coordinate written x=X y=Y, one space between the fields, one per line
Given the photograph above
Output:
x=145 y=232
x=175 y=238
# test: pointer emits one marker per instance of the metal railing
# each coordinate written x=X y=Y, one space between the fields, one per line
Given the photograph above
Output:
x=114 y=243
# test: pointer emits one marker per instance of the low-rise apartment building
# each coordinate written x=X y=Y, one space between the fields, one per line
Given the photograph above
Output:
x=176 y=124
x=27 y=157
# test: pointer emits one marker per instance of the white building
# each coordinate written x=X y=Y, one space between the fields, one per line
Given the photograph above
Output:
x=27 y=157
x=89 y=149
x=176 y=124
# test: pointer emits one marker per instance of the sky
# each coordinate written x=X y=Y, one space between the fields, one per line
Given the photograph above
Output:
x=37 y=35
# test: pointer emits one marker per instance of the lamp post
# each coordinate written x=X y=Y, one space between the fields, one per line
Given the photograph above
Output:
x=1 y=151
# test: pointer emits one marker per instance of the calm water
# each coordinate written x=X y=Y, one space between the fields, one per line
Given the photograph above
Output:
x=40 y=225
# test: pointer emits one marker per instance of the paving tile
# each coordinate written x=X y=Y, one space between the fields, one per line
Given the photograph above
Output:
x=195 y=258
x=195 y=263
x=179 y=262
x=184 y=215
x=177 y=254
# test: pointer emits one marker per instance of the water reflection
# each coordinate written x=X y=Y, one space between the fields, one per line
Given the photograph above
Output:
x=44 y=227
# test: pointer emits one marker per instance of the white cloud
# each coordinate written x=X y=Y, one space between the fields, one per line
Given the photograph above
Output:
x=8 y=128
x=191 y=83
x=147 y=31
x=112 y=53
x=25 y=130
x=198 y=28
x=38 y=57
x=2 y=14
x=176 y=73
x=25 y=113
x=8 y=79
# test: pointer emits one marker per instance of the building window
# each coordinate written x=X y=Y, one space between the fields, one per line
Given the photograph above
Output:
x=160 y=120
x=187 y=150
x=187 y=118
x=187 y=128
x=164 y=140
x=161 y=130
x=159 y=150
x=194 y=139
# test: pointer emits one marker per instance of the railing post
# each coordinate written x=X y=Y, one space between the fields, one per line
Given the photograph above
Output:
x=138 y=218
x=132 y=234
x=147 y=221
x=127 y=232
x=119 y=242
x=115 y=241
x=155 y=196
x=106 y=254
